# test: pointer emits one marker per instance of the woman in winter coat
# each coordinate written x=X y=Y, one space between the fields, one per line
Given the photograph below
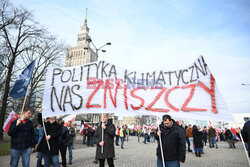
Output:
x=197 y=135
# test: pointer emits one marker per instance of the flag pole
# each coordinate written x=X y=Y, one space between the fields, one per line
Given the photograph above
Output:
x=243 y=143
x=25 y=98
x=44 y=129
x=245 y=149
x=45 y=134
x=102 y=134
x=162 y=154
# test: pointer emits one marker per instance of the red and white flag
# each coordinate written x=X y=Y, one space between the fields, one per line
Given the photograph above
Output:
x=81 y=129
x=10 y=118
x=83 y=126
x=69 y=118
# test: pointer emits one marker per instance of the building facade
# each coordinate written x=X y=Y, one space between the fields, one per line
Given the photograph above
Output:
x=129 y=121
x=81 y=53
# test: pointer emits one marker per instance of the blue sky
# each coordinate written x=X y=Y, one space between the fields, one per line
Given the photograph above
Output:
x=163 y=34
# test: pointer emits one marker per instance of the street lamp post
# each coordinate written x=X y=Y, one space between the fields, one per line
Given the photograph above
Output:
x=96 y=52
x=97 y=49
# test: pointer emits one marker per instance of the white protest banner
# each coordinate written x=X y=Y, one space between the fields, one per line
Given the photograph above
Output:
x=189 y=93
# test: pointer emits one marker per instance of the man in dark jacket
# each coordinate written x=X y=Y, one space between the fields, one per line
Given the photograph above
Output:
x=212 y=137
x=90 y=136
x=53 y=131
x=246 y=134
x=204 y=136
x=105 y=148
x=23 y=139
x=173 y=143
x=63 y=140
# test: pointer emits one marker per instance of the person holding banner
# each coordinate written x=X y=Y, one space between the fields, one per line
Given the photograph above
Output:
x=23 y=139
x=246 y=134
x=108 y=150
x=173 y=143
x=53 y=130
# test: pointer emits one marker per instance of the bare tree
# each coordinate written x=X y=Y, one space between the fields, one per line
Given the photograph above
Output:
x=10 y=14
x=48 y=51
x=15 y=36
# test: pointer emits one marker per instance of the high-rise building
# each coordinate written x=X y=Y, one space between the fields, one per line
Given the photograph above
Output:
x=82 y=53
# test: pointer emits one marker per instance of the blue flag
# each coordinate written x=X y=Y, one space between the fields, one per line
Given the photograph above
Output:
x=20 y=87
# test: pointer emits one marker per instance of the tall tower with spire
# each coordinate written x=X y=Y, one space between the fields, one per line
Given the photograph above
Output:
x=78 y=55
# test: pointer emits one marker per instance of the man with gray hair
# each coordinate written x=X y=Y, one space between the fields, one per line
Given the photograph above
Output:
x=105 y=147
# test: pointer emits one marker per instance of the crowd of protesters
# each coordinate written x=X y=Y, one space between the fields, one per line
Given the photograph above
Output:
x=60 y=139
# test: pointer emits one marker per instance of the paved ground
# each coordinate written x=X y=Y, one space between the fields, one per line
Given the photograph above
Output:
x=143 y=155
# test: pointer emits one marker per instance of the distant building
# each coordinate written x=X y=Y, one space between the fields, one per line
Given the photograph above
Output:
x=129 y=121
x=82 y=53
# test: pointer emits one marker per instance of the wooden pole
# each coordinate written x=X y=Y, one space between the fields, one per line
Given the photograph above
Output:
x=45 y=135
x=242 y=141
x=162 y=154
x=102 y=135
x=25 y=98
